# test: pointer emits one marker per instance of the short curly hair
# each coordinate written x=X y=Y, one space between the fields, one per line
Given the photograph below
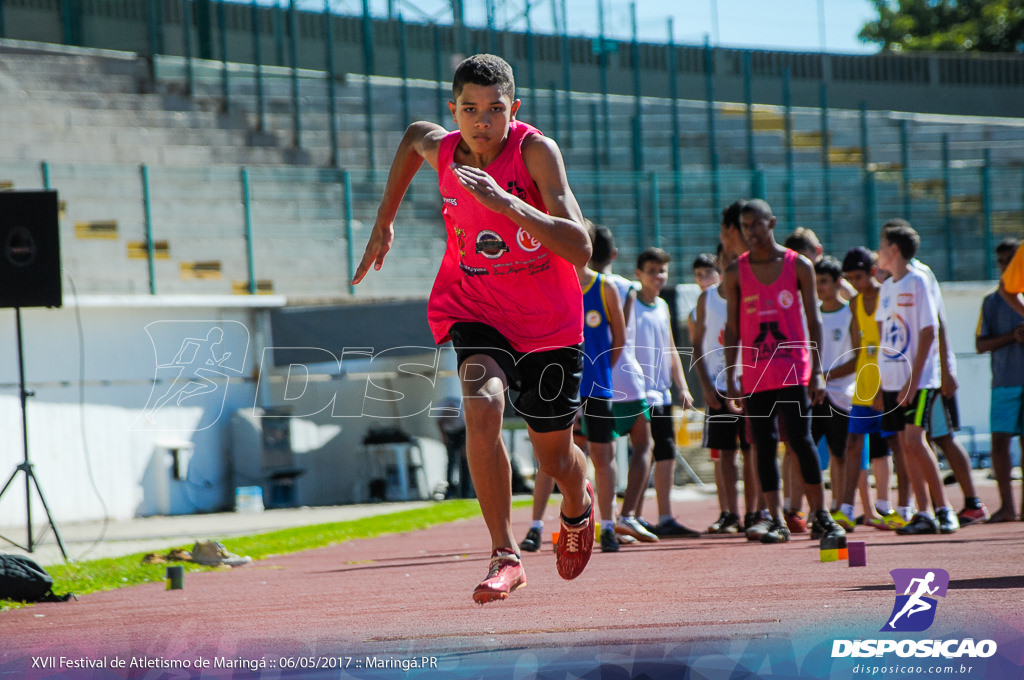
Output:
x=484 y=69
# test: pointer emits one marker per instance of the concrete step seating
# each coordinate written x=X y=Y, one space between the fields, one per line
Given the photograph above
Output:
x=89 y=110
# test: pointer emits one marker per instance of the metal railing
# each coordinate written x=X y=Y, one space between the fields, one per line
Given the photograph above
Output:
x=300 y=231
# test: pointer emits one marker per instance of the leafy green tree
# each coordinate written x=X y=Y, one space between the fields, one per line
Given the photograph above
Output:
x=947 y=25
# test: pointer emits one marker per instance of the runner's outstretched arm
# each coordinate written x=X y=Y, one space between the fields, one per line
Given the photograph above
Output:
x=420 y=143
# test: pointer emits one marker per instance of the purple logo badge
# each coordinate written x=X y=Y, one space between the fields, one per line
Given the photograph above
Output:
x=915 y=605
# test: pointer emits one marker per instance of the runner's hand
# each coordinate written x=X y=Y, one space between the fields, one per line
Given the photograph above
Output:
x=686 y=399
x=734 y=397
x=483 y=187
x=377 y=248
x=816 y=389
x=712 y=400
x=905 y=394
x=949 y=384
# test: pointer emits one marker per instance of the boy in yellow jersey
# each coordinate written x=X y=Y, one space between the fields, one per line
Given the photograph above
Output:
x=858 y=269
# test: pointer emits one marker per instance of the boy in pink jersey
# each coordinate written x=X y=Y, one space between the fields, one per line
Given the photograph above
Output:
x=508 y=298
x=765 y=289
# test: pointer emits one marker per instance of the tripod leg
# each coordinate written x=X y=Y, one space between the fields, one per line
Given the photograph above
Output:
x=9 y=480
x=689 y=470
x=49 y=517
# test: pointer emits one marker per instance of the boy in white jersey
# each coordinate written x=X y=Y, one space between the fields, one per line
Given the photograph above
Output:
x=910 y=372
x=656 y=352
x=838 y=361
x=946 y=420
x=724 y=426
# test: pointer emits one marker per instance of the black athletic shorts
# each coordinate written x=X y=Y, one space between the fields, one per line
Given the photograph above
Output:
x=724 y=430
x=663 y=432
x=832 y=423
x=598 y=422
x=919 y=413
x=548 y=382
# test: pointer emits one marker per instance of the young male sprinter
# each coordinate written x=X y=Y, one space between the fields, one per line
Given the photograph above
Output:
x=508 y=297
x=908 y=324
x=765 y=290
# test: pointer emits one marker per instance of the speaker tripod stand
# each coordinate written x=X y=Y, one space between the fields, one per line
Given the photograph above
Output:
x=31 y=481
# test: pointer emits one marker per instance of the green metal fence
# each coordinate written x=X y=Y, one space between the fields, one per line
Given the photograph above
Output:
x=301 y=231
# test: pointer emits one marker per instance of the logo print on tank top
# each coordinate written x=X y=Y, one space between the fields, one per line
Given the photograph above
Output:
x=771 y=342
x=490 y=245
x=515 y=188
x=526 y=242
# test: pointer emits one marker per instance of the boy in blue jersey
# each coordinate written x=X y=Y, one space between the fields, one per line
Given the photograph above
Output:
x=604 y=333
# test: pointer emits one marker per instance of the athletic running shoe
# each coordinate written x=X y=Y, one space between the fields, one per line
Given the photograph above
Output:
x=575 y=543
x=505 y=575
x=750 y=519
x=608 y=541
x=673 y=529
x=948 y=522
x=625 y=539
x=645 y=524
x=969 y=516
x=214 y=554
x=630 y=526
x=727 y=523
x=843 y=520
x=532 y=541
x=890 y=521
x=824 y=525
x=796 y=522
x=919 y=524
x=777 y=532
x=759 y=528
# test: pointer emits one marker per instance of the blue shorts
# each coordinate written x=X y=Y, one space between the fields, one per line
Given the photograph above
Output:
x=1006 y=414
x=866 y=420
x=945 y=417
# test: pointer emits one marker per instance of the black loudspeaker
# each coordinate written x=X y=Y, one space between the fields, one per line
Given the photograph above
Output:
x=30 y=273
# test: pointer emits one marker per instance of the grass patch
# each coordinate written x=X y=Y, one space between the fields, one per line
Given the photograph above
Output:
x=110 y=573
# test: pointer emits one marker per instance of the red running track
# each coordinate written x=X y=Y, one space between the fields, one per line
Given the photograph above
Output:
x=717 y=603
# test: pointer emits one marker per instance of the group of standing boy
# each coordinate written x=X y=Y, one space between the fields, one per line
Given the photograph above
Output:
x=525 y=295
x=886 y=373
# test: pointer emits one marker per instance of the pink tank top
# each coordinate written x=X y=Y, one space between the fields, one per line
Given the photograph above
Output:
x=493 y=272
x=774 y=344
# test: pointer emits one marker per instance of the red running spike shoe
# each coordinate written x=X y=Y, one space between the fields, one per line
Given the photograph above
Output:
x=575 y=543
x=506 y=574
